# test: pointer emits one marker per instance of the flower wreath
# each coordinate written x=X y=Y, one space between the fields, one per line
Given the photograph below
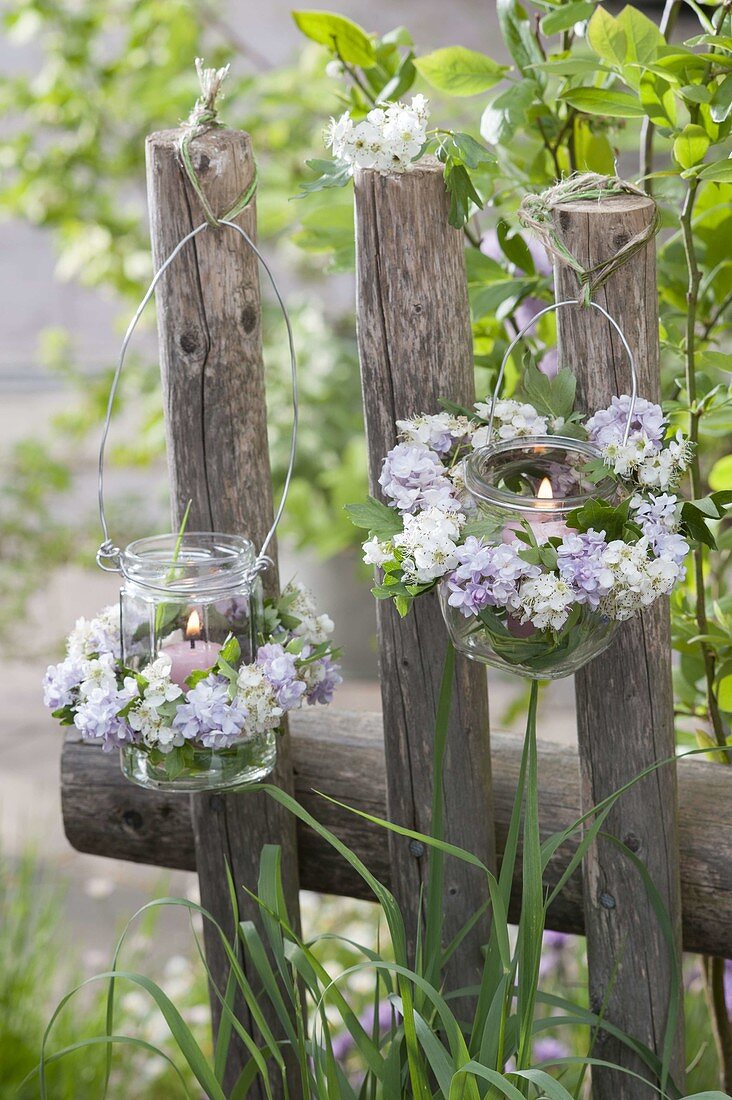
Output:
x=616 y=558
x=220 y=707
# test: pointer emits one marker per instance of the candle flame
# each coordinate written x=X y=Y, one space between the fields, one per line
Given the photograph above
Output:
x=193 y=626
x=545 y=490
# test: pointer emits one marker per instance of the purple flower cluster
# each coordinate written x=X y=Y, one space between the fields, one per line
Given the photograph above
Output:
x=581 y=566
x=657 y=517
x=608 y=425
x=97 y=716
x=487 y=576
x=209 y=716
x=413 y=478
x=281 y=672
x=323 y=677
x=61 y=682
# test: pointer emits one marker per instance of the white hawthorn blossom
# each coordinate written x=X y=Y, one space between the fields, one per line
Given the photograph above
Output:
x=388 y=139
x=428 y=542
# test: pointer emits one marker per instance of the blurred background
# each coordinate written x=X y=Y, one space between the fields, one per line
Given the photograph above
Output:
x=83 y=82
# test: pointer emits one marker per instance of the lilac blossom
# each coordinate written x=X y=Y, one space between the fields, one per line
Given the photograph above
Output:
x=61 y=682
x=441 y=432
x=322 y=679
x=581 y=566
x=608 y=425
x=486 y=576
x=280 y=669
x=550 y=1049
x=209 y=716
x=97 y=717
x=98 y=635
x=413 y=477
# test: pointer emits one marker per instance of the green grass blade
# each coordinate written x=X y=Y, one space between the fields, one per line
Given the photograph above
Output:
x=436 y=870
x=106 y=1040
x=531 y=923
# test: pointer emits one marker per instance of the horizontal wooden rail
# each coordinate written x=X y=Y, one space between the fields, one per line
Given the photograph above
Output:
x=341 y=754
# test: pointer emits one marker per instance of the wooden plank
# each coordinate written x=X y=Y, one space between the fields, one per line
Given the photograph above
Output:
x=341 y=754
x=209 y=325
x=625 y=699
x=415 y=346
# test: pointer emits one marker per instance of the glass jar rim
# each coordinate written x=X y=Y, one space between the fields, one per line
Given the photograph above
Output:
x=482 y=490
x=198 y=561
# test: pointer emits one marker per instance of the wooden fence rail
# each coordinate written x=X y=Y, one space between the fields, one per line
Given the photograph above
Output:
x=341 y=754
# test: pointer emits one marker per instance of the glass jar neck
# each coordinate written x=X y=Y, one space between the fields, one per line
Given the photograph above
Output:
x=192 y=566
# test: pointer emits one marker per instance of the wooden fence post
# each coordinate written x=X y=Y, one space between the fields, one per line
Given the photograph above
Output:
x=415 y=346
x=625 y=698
x=208 y=308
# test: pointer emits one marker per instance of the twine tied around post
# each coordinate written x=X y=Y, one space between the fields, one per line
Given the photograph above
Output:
x=204 y=117
x=535 y=214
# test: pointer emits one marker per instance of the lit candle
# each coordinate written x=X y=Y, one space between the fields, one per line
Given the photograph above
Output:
x=194 y=653
x=543 y=528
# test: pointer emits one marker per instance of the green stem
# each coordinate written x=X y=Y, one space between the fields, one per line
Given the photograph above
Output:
x=435 y=883
x=666 y=26
x=714 y=974
x=692 y=299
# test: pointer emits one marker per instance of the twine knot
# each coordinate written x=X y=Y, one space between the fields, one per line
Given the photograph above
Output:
x=204 y=114
x=535 y=214
x=204 y=117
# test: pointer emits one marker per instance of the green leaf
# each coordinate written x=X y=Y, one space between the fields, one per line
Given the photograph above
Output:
x=507 y=112
x=462 y=193
x=600 y=516
x=720 y=171
x=518 y=34
x=691 y=146
x=603 y=101
x=720 y=475
x=592 y=150
x=514 y=247
x=376 y=517
x=470 y=151
x=460 y=71
x=332 y=174
x=724 y=693
x=550 y=396
x=694 y=524
x=607 y=38
x=565 y=16
x=345 y=38
x=658 y=99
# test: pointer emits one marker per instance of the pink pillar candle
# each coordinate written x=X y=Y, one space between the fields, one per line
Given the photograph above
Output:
x=186 y=657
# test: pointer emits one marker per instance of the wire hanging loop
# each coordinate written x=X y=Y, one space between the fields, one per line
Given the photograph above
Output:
x=202 y=118
x=551 y=309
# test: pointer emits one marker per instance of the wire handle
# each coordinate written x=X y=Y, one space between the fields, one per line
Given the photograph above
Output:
x=108 y=555
x=551 y=309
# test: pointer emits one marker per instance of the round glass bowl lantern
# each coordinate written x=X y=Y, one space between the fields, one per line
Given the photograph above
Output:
x=535 y=481
x=181 y=598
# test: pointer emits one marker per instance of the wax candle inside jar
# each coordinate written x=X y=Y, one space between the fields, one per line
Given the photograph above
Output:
x=192 y=654
x=543 y=527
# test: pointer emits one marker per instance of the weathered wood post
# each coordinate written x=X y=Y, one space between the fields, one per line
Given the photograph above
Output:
x=625 y=699
x=415 y=346
x=208 y=308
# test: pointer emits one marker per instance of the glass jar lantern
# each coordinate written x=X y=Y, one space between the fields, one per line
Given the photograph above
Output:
x=182 y=597
x=537 y=481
